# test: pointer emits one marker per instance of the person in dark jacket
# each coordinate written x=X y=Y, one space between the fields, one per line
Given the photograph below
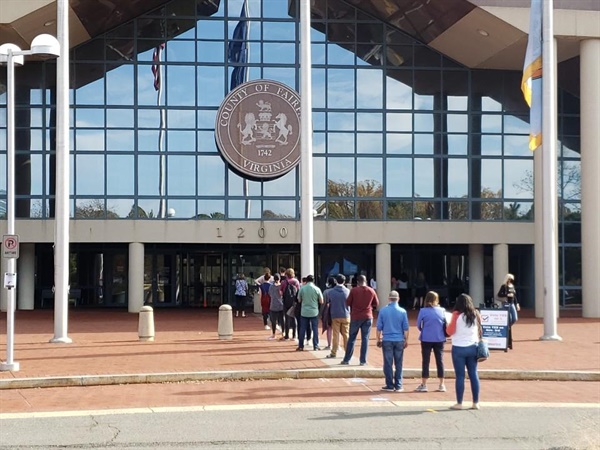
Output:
x=339 y=312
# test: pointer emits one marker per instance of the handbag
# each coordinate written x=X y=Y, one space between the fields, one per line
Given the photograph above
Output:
x=291 y=312
x=483 y=352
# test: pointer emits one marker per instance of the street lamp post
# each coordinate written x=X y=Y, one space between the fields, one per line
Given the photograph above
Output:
x=11 y=55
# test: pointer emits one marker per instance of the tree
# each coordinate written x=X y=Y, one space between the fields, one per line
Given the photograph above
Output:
x=268 y=214
x=491 y=210
x=94 y=209
x=345 y=209
x=568 y=177
x=139 y=213
x=211 y=216
x=400 y=210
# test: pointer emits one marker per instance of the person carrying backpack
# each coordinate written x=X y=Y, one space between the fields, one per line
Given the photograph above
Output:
x=289 y=293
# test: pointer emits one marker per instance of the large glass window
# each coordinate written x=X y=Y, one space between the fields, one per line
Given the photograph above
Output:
x=391 y=117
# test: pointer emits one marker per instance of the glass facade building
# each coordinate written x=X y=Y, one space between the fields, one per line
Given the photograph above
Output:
x=403 y=136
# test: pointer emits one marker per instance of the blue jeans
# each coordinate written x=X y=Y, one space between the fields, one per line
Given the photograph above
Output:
x=393 y=352
x=364 y=325
x=461 y=357
x=305 y=322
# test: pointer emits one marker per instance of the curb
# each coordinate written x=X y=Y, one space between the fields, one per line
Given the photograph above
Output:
x=248 y=375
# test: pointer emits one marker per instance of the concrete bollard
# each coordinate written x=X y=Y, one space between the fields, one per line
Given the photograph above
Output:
x=146 y=324
x=225 y=328
x=256 y=303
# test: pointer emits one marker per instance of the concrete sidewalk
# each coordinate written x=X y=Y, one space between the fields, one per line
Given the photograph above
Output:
x=106 y=350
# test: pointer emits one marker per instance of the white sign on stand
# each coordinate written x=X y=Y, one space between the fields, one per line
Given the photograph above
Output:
x=495 y=328
x=10 y=246
x=10 y=280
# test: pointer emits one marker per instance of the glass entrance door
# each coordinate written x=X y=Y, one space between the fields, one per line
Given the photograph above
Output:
x=213 y=281
x=203 y=280
x=98 y=278
x=287 y=260
x=162 y=279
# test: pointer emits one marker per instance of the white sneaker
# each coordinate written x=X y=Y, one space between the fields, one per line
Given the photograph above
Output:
x=271 y=338
x=237 y=314
x=267 y=327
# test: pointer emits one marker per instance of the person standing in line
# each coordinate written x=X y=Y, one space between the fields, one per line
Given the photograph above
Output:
x=260 y=280
x=430 y=323
x=326 y=322
x=298 y=311
x=465 y=330
x=241 y=293
x=309 y=298
x=265 y=298
x=420 y=287
x=361 y=301
x=276 y=307
x=392 y=338
x=340 y=314
x=373 y=283
x=509 y=294
x=404 y=291
x=289 y=293
x=282 y=273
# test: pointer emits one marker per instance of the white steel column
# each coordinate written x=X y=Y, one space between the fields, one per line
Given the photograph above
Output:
x=26 y=270
x=11 y=263
x=307 y=253
x=383 y=272
x=590 y=176
x=3 y=292
x=549 y=164
x=538 y=251
x=500 y=265
x=61 y=222
x=476 y=275
x=136 y=277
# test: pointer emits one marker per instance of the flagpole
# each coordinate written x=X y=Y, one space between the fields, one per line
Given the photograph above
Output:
x=549 y=163
x=247 y=72
x=61 y=225
x=306 y=166
x=162 y=191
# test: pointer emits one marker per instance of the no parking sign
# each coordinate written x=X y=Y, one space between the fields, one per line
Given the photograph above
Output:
x=10 y=246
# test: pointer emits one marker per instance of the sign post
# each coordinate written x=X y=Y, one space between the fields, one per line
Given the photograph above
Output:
x=10 y=251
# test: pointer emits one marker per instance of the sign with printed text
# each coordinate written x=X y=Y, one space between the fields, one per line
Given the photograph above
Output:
x=10 y=246
x=495 y=328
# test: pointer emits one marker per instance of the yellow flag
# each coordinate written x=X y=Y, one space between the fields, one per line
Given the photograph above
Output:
x=531 y=84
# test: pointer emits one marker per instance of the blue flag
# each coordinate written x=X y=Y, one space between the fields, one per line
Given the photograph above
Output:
x=238 y=49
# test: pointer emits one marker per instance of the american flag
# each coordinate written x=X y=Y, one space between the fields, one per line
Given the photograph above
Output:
x=238 y=49
x=156 y=65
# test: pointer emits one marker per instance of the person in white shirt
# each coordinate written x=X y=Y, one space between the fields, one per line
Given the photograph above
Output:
x=373 y=283
x=465 y=330
x=260 y=280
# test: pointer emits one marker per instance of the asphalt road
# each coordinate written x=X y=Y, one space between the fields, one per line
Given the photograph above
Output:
x=357 y=425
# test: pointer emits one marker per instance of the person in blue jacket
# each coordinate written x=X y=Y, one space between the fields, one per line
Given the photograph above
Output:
x=392 y=338
x=430 y=322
